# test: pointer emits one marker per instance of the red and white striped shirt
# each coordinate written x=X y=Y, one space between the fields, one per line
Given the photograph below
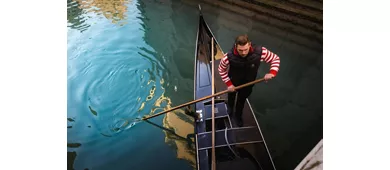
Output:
x=266 y=56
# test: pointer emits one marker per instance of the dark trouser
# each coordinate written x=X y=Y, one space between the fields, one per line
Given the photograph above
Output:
x=243 y=94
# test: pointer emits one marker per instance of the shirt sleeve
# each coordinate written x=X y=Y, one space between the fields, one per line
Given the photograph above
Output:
x=223 y=71
x=269 y=57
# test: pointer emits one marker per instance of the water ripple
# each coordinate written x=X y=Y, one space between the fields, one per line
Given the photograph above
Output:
x=114 y=75
x=117 y=84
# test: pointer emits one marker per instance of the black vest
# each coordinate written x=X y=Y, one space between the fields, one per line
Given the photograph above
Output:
x=244 y=69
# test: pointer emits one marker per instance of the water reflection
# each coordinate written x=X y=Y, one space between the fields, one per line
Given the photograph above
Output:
x=71 y=156
x=114 y=10
x=74 y=145
x=172 y=36
x=175 y=121
x=76 y=19
x=92 y=111
x=172 y=132
x=79 y=10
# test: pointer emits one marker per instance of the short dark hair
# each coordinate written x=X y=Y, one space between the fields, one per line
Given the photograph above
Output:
x=242 y=40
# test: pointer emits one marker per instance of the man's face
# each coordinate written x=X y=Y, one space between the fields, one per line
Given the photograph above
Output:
x=243 y=50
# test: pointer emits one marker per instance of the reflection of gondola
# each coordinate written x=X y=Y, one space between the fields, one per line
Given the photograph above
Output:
x=235 y=147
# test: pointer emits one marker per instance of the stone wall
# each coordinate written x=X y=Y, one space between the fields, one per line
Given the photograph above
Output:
x=303 y=17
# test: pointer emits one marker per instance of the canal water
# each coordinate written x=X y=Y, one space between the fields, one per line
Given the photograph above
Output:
x=129 y=58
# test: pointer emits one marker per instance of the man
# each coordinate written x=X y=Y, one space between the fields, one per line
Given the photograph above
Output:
x=243 y=61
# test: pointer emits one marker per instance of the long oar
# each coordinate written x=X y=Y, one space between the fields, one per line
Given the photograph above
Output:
x=213 y=163
x=201 y=99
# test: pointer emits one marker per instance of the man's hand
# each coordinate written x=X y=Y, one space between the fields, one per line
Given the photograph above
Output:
x=231 y=88
x=268 y=76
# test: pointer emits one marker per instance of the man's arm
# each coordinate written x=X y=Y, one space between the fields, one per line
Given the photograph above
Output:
x=273 y=59
x=223 y=72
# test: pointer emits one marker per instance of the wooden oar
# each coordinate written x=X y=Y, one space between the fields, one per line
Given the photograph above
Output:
x=213 y=164
x=202 y=99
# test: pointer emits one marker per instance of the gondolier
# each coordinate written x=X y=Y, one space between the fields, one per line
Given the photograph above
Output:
x=243 y=62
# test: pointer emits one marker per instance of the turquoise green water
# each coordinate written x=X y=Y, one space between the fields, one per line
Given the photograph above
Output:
x=114 y=75
x=127 y=59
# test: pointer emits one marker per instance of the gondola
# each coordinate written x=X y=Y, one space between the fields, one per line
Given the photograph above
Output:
x=236 y=148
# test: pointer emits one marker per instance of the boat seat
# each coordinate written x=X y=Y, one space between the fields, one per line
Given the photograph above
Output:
x=220 y=111
x=239 y=135
x=216 y=100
